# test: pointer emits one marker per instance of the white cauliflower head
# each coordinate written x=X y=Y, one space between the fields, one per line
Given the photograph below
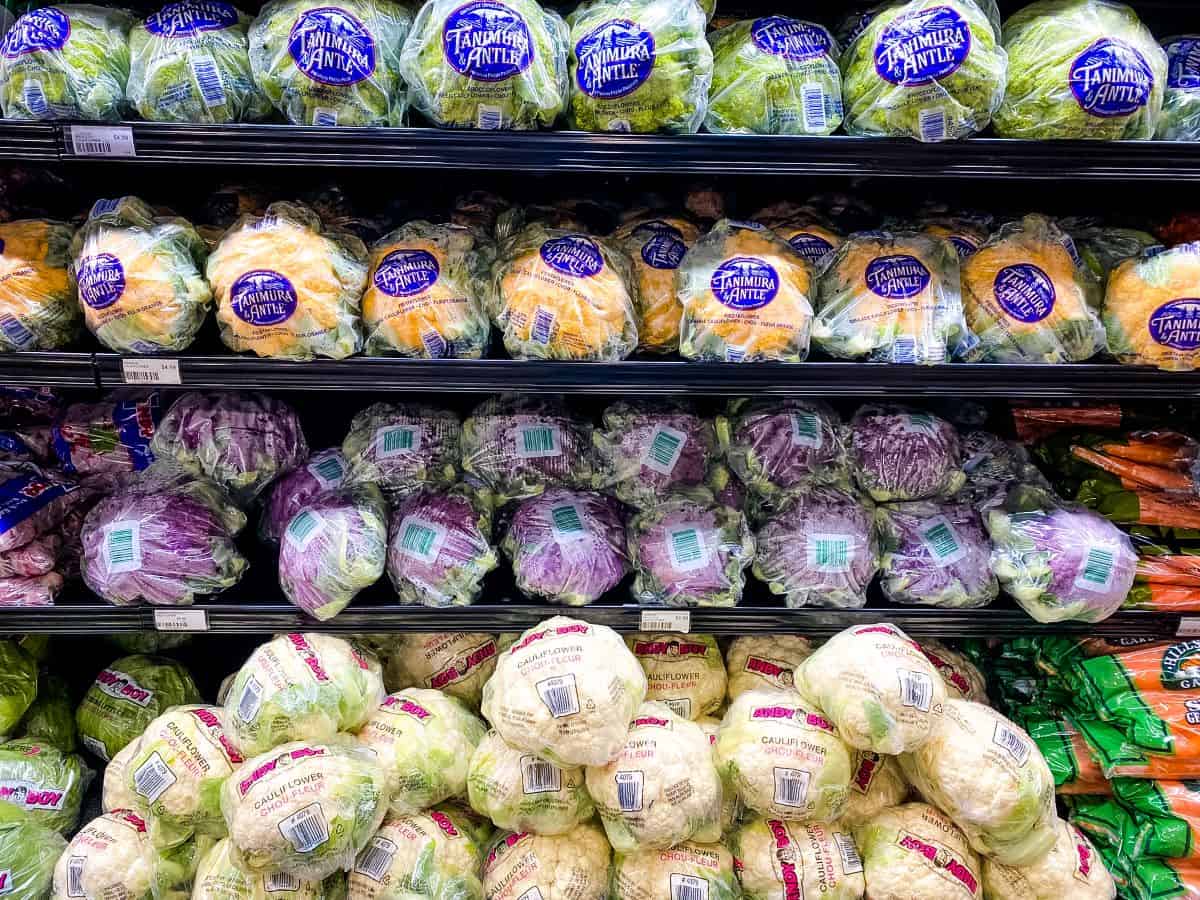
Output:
x=685 y=672
x=662 y=788
x=731 y=803
x=876 y=686
x=988 y=776
x=111 y=856
x=877 y=783
x=913 y=852
x=690 y=870
x=218 y=877
x=116 y=792
x=963 y=679
x=569 y=866
x=522 y=792
x=793 y=861
x=1072 y=869
x=435 y=854
x=457 y=662
x=424 y=741
x=566 y=690
x=783 y=757
x=761 y=661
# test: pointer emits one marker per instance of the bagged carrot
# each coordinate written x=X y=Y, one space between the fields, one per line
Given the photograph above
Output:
x=1167 y=814
x=1033 y=423
x=1181 y=569
x=1071 y=763
x=1154 y=477
x=1167 y=598
x=1166 y=879
x=1119 y=757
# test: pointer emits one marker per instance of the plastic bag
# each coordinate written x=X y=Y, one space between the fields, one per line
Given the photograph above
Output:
x=435 y=854
x=755 y=661
x=30 y=852
x=746 y=297
x=286 y=287
x=810 y=238
x=934 y=554
x=42 y=784
x=992 y=466
x=776 y=445
x=777 y=858
x=218 y=877
x=403 y=447
x=38 y=306
x=685 y=673
x=18 y=685
x=139 y=277
x=1167 y=814
x=1071 y=762
x=966 y=233
x=559 y=294
x=638 y=66
x=774 y=75
x=897 y=454
x=1151 y=313
x=891 y=297
x=1071 y=868
x=425 y=293
x=1176 y=879
x=190 y=62
x=51 y=717
x=33 y=501
x=36 y=590
x=324 y=471
x=29 y=404
x=110 y=439
x=1180 y=119
x=657 y=247
x=646 y=450
x=35 y=558
x=487 y=64
x=645 y=875
x=525 y=793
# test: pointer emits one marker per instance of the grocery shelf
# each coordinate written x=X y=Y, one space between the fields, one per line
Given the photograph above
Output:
x=49 y=369
x=30 y=141
x=84 y=617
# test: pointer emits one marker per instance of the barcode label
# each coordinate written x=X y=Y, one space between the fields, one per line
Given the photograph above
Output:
x=918 y=423
x=95 y=746
x=150 y=371
x=180 y=620
x=904 y=350
x=1189 y=626
x=679 y=620
x=688 y=887
x=1007 y=739
x=280 y=882
x=209 y=81
x=393 y=440
x=306 y=829
x=686 y=548
x=435 y=345
x=941 y=540
x=123 y=546
x=102 y=140
x=806 y=430
x=75 y=876
x=662 y=453
x=376 y=858
x=538 y=442
x=489 y=118
x=328 y=471
x=916 y=689
x=681 y=706
x=539 y=776
x=306 y=526
x=560 y=695
x=1068 y=243
x=153 y=777
x=791 y=786
x=543 y=326
x=629 y=791
x=534 y=893
x=35 y=99
x=566 y=521
x=931 y=123
x=325 y=118
x=421 y=540
x=1096 y=571
x=16 y=333
x=103 y=207
x=251 y=700
x=812 y=98
x=735 y=354
x=851 y=862
x=829 y=553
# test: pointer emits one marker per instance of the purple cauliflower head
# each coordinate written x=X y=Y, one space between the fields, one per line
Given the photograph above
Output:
x=899 y=454
x=934 y=554
x=779 y=444
x=646 y=450
x=324 y=471
x=403 y=447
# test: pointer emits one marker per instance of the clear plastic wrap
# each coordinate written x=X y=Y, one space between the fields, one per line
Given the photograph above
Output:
x=435 y=855
x=877 y=782
x=218 y=877
x=107 y=441
x=992 y=466
x=524 y=793
x=657 y=245
x=38 y=305
x=965 y=232
x=760 y=661
x=1151 y=313
x=115 y=790
x=1180 y=119
x=30 y=853
x=403 y=448
x=898 y=454
x=51 y=717
x=963 y=678
x=774 y=75
x=458 y=663
x=18 y=685
x=812 y=239
x=707 y=869
x=788 y=859
x=638 y=66
x=913 y=850
x=425 y=293
x=891 y=297
x=324 y=471
x=140 y=277
x=331 y=65
x=69 y=61
x=287 y=287
x=646 y=450
x=570 y=866
x=42 y=784
x=487 y=64
x=33 y=501
x=111 y=856
x=29 y=404
x=1072 y=868
x=35 y=590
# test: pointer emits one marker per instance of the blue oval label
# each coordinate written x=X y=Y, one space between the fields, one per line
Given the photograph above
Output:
x=897 y=277
x=744 y=282
x=812 y=247
x=922 y=46
x=332 y=47
x=963 y=246
x=403 y=273
x=487 y=41
x=790 y=38
x=191 y=17
x=1183 y=64
x=576 y=255
x=664 y=247
x=1176 y=324
x=262 y=297
x=1110 y=78
x=1024 y=291
x=615 y=59
x=101 y=280
x=38 y=29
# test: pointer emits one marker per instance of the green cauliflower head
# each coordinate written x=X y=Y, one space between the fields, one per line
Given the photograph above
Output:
x=42 y=784
x=29 y=852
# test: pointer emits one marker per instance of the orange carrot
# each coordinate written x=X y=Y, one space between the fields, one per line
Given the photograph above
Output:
x=1167 y=510
x=1148 y=453
x=1151 y=476
x=1179 y=570
x=1166 y=598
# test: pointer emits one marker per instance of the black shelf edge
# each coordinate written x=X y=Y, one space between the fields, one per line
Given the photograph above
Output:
x=30 y=141
x=49 y=369
x=94 y=617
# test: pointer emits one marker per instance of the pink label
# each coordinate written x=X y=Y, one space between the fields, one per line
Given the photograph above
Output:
x=309 y=655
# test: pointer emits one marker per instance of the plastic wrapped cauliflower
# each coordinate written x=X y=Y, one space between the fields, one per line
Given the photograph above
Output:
x=811 y=237
x=558 y=294
x=964 y=680
x=645 y=450
x=139 y=277
x=301 y=686
x=331 y=65
x=458 y=663
x=111 y=856
x=522 y=792
x=38 y=306
x=877 y=687
x=424 y=741
x=1060 y=561
x=656 y=245
x=241 y=440
x=285 y=286
x=683 y=672
x=1151 y=313
x=435 y=854
x=65 y=62
x=440 y=547
x=1103 y=247
x=1180 y=119
x=403 y=447
x=1072 y=868
x=127 y=696
x=306 y=807
x=688 y=870
x=487 y=64
x=890 y=297
x=755 y=661
x=190 y=62
x=324 y=471
x=30 y=852
x=912 y=851
x=41 y=784
x=569 y=866
x=774 y=75
x=746 y=297
x=799 y=861
x=518 y=446
x=1028 y=300
x=638 y=66
x=774 y=446
x=897 y=454
x=927 y=69
x=567 y=546
x=218 y=877
x=566 y=690
x=1081 y=69
x=116 y=791
x=877 y=782
x=965 y=232
x=973 y=752
x=425 y=293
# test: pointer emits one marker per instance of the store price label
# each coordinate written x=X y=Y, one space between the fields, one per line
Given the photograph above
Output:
x=666 y=620
x=180 y=620
x=150 y=371
x=102 y=140
x=1189 y=626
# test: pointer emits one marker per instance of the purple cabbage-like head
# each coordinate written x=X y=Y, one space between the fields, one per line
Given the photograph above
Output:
x=403 y=448
x=901 y=455
x=645 y=451
x=935 y=554
x=324 y=471
x=777 y=445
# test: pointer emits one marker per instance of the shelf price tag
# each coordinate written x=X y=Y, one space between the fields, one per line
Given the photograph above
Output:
x=181 y=620
x=666 y=620
x=1189 y=626
x=150 y=371
x=102 y=140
